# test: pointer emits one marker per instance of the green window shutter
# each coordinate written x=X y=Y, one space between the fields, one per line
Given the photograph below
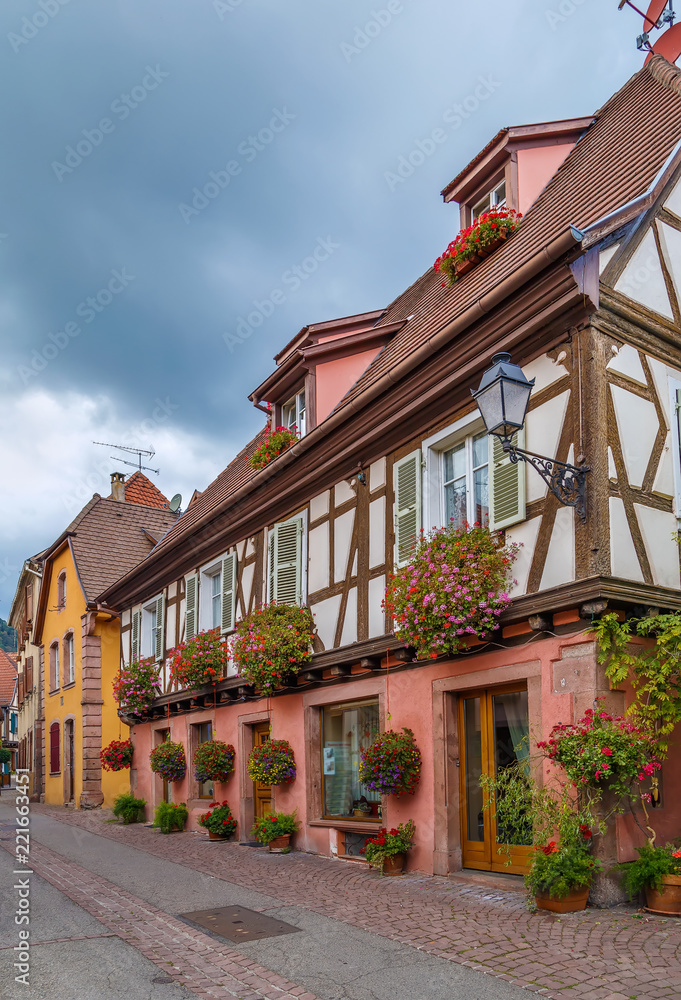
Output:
x=135 y=643
x=191 y=595
x=506 y=485
x=286 y=544
x=407 y=487
x=159 y=644
x=228 y=592
x=270 y=564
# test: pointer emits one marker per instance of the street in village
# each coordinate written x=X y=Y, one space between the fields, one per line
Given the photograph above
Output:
x=108 y=919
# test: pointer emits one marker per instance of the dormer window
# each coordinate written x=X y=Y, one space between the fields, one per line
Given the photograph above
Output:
x=293 y=413
x=496 y=198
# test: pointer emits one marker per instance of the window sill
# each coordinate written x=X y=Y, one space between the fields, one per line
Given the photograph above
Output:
x=56 y=691
x=55 y=774
x=356 y=826
x=67 y=687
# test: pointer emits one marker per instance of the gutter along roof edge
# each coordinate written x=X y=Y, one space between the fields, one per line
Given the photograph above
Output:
x=569 y=239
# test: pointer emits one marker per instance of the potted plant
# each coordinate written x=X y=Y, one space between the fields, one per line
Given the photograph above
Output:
x=391 y=765
x=387 y=850
x=128 y=808
x=218 y=821
x=272 y=763
x=168 y=760
x=276 y=831
x=455 y=588
x=271 y=643
x=135 y=686
x=560 y=873
x=477 y=241
x=214 y=761
x=170 y=817
x=273 y=444
x=657 y=872
x=117 y=755
x=200 y=661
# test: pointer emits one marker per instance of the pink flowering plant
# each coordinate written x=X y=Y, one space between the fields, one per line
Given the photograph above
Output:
x=272 y=445
x=136 y=685
x=476 y=240
x=455 y=587
x=604 y=752
x=270 y=645
x=200 y=661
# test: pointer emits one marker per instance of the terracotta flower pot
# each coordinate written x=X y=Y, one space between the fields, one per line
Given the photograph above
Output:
x=216 y=836
x=575 y=900
x=280 y=844
x=393 y=865
x=668 y=900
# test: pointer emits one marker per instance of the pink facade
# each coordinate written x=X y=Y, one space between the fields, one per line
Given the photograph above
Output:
x=334 y=378
x=536 y=167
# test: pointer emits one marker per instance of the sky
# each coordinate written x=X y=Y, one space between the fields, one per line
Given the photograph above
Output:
x=167 y=164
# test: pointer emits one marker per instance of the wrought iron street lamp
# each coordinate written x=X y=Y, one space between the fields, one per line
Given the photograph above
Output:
x=502 y=398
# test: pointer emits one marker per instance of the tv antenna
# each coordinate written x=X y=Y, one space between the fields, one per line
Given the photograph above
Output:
x=134 y=451
x=659 y=16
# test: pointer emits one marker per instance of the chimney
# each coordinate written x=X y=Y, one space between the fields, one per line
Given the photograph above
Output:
x=118 y=486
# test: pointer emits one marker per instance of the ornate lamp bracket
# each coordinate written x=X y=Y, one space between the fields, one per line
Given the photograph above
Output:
x=566 y=482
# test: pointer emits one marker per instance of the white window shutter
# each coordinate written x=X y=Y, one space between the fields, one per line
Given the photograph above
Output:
x=506 y=485
x=407 y=487
x=228 y=591
x=159 y=644
x=191 y=603
x=286 y=569
x=270 y=564
x=135 y=638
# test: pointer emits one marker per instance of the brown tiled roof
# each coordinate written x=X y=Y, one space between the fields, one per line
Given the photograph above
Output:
x=238 y=472
x=139 y=489
x=109 y=538
x=8 y=677
x=614 y=161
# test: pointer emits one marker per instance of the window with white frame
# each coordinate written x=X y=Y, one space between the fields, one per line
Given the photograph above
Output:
x=69 y=659
x=152 y=628
x=496 y=198
x=211 y=597
x=293 y=414
x=465 y=481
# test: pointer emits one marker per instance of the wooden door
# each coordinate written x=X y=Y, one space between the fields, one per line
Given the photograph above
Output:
x=262 y=796
x=493 y=728
x=161 y=736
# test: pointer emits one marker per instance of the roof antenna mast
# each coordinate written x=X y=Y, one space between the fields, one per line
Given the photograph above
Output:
x=660 y=16
x=134 y=451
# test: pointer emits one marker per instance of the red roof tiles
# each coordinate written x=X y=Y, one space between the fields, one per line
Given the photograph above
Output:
x=8 y=678
x=140 y=490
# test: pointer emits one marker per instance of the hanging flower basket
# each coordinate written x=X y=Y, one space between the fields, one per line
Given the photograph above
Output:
x=200 y=661
x=117 y=756
x=135 y=687
x=273 y=444
x=214 y=761
x=168 y=761
x=272 y=763
x=392 y=764
x=477 y=241
x=455 y=588
x=271 y=644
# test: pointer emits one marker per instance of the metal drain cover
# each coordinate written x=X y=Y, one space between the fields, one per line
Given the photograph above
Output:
x=236 y=923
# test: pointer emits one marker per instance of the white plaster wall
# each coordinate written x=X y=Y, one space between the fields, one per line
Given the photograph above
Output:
x=605 y=256
x=670 y=240
x=319 y=506
x=560 y=559
x=376 y=613
x=342 y=493
x=657 y=527
x=623 y=559
x=612 y=471
x=377 y=474
x=342 y=537
x=247 y=582
x=319 y=558
x=543 y=428
x=545 y=371
x=627 y=362
x=673 y=202
x=349 y=633
x=125 y=618
x=377 y=532
x=638 y=425
x=250 y=547
x=182 y=610
x=326 y=618
x=643 y=281
x=241 y=550
x=661 y=374
x=663 y=484
x=172 y=591
x=525 y=534
x=171 y=619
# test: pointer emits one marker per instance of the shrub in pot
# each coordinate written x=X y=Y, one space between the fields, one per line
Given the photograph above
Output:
x=218 y=821
x=386 y=851
x=128 y=808
x=170 y=816
x=657 y=872
x=276 y=830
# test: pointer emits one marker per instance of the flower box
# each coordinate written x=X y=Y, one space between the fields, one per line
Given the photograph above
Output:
x=477 y=242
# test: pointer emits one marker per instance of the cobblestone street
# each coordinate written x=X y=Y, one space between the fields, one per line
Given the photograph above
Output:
x=599 y=954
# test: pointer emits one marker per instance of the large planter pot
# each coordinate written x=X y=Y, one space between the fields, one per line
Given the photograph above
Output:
x=217 y=836
x=668 y=900
x=574 y=901
x=280 y=844
x=393 y=865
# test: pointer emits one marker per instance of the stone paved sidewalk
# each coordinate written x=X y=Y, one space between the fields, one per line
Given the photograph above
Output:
x=599 y=954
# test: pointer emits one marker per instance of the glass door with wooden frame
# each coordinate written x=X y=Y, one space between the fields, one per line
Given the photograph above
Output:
x=262 y=795
x=493 y=735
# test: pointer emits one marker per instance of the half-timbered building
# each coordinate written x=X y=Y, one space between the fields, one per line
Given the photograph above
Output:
x=586 y=297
